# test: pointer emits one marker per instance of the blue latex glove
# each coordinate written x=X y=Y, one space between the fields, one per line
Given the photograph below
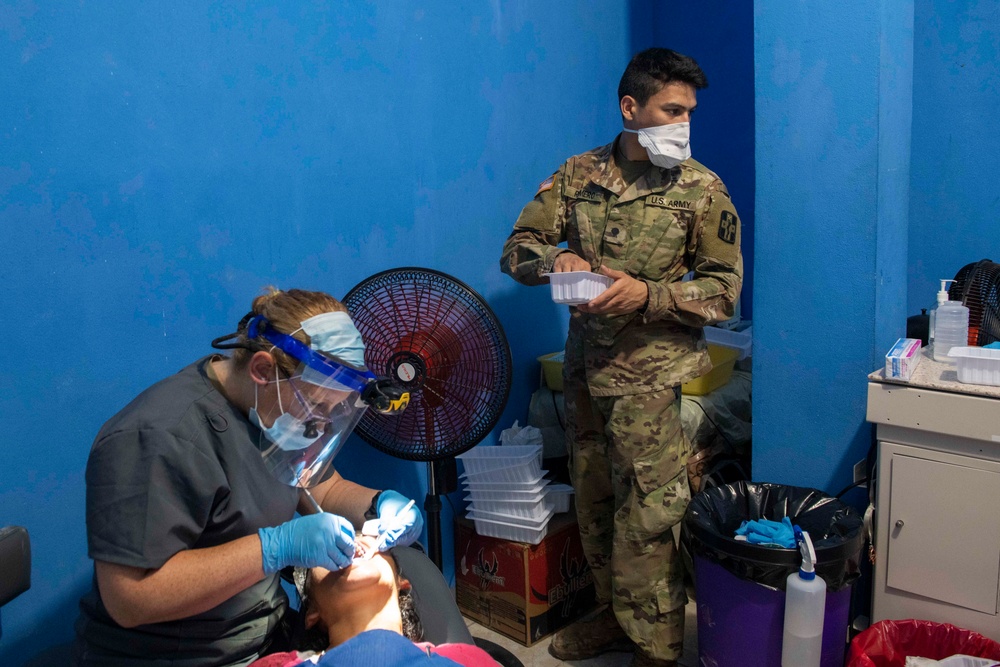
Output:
x=395 y=529
x=766 y=531
x=324 y=540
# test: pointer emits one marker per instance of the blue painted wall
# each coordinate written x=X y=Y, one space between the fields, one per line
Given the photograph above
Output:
x=833 y=90
x=719 y=35
x=955 y=205
x=162 y=162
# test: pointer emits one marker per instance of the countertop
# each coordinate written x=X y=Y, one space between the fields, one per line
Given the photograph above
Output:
x=936 y=375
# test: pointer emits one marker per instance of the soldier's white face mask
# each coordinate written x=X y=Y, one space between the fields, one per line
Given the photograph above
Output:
x=666 y=145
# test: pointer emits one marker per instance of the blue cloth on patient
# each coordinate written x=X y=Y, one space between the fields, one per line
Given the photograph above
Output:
x=994 y=346
x=767 y=532
x=380 y=648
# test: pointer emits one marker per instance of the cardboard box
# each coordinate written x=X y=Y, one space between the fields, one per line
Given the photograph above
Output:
x=523 y=591
x=902 y=359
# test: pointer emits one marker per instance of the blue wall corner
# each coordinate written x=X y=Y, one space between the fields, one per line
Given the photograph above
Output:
x=830 y=244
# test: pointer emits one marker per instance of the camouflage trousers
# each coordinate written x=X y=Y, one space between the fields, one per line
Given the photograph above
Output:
x=627 y=463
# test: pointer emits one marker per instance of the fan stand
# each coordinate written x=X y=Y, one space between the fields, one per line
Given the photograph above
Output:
x=436 y=337
x=441 y=480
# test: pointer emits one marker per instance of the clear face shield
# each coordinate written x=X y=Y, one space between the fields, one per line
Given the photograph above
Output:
x=299 y=446
x=319 y=405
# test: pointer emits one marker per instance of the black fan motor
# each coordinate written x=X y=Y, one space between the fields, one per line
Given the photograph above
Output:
x=977 y=286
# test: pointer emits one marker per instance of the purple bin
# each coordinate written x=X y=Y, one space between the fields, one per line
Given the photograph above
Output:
x=740 y=622
x=739 y=586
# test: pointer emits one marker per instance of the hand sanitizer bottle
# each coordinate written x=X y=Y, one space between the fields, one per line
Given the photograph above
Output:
x=951 y=325
x=805 y=607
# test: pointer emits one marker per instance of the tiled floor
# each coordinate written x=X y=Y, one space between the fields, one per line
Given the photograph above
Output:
x=538 y=655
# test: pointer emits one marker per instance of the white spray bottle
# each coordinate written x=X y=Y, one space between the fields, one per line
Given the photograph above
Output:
x=805 y=606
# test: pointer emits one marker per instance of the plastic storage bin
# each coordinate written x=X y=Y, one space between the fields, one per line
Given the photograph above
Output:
x=513 y=510
x=887 y=643
x=560 y=495
x=741 y=341
x=552 y=369
x=493 y=525
x=576 y=287
x=723 y=362
x=535 y=493
x=740 y=587
x=977 y=365
x=488 y=483
x=507 y=463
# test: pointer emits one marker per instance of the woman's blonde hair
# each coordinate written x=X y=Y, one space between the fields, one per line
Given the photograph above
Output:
x=285 y=310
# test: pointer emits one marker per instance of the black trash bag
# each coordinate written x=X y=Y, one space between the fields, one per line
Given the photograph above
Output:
x=836 y=529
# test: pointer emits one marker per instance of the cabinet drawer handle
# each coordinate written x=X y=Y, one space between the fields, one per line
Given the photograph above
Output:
x=899 y=523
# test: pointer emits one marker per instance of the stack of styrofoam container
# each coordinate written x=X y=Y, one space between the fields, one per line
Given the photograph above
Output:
x=508 y=495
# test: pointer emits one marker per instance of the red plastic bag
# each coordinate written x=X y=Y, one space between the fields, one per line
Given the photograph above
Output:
x=888 y=643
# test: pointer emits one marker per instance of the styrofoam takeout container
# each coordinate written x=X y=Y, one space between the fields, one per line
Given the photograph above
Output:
x=977 y=365
x=576 y=287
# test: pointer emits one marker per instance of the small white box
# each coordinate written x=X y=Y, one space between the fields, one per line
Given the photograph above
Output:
x=977 y=365
x=560 y=495
x=902 y=359
x=576 y=287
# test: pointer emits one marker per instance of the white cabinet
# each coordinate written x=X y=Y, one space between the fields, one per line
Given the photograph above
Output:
x=937 y=533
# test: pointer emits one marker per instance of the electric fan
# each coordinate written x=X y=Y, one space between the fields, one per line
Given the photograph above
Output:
x=437 y=338
x=977 y=286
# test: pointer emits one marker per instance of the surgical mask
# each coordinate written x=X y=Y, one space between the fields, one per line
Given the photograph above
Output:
x=335 y=334
x=288 y=432
x=666 y=145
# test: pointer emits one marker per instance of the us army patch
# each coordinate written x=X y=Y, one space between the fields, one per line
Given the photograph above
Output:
x=666 y=202
x=545 y=185
x=727 y=227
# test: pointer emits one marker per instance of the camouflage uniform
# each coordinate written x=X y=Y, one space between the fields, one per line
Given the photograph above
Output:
x=622 y=373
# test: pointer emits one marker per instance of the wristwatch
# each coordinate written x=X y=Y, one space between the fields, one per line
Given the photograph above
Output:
x=372 y=511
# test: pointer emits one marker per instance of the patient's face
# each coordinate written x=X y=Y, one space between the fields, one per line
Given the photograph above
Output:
x=365 y=582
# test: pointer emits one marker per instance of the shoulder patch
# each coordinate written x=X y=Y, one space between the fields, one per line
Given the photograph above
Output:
x=727 y=227
x=545 y=185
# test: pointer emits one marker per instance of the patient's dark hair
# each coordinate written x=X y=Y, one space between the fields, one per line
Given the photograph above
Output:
x=315 y=639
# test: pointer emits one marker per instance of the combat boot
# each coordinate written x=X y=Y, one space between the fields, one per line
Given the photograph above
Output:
x=643 y=659
x=592 y=635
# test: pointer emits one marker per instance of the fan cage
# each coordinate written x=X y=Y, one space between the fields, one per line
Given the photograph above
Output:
x=451 y=340
x=977 y=286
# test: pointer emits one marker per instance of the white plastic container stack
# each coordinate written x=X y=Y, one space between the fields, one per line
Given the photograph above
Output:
x=507 y=493
x=576 y=287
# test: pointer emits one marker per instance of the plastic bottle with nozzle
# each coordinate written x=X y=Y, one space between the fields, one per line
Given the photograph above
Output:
x=805 y=608
x=951 y=325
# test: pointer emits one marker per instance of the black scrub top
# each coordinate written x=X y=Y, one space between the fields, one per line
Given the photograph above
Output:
x=179 y=468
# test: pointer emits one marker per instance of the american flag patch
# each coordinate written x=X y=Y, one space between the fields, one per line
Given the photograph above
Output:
x=544 y=185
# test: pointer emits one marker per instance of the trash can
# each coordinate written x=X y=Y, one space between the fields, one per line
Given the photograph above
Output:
x=740 y=587
x=888 y=643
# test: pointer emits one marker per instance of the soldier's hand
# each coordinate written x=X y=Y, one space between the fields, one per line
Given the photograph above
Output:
x=569 y=261
x=626 y=295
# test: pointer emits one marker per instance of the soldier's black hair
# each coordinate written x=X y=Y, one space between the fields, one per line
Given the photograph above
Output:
x=654 y=68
